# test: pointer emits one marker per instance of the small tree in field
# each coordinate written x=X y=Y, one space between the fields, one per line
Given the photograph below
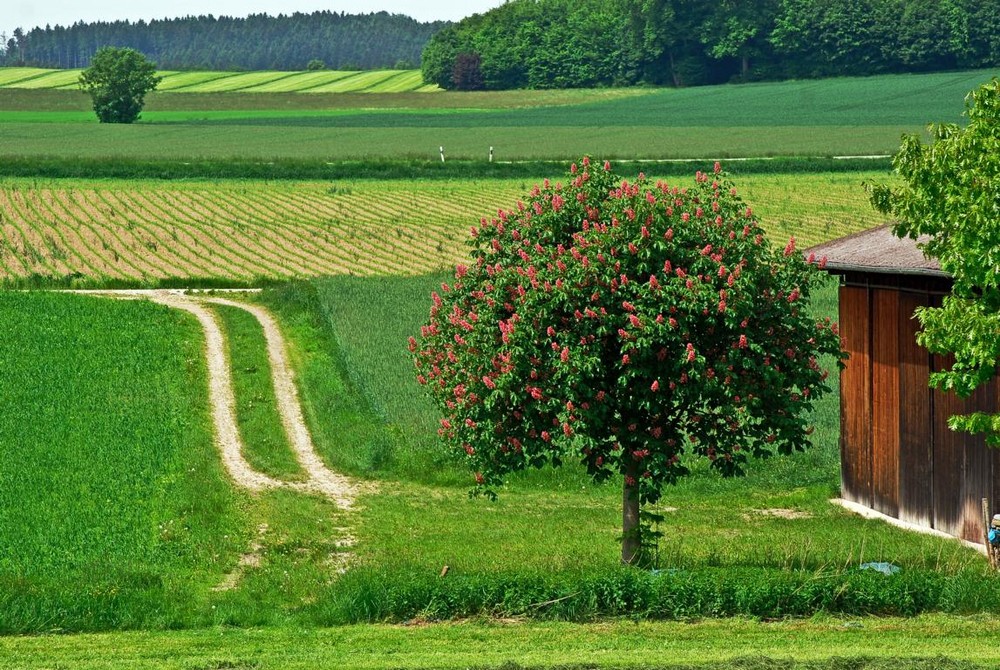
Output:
x=625 y=325
x=118 y=80
x=950 y=192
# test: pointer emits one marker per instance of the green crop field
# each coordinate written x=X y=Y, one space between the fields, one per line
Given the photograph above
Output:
x=145 y=231
x=850 y=116
x=324 y=81
x=114 y=509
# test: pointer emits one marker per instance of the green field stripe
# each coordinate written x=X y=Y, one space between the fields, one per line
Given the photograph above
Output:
x=11 y=76
x=137 y=214
x=236 y=82
x=297 y=82
x=343 y=85
x=403 y=82
x=52 y=79
x=340 y=75
x=120 y=221
x=189 y=79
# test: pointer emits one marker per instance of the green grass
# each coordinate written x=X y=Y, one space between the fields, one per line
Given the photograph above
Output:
x=114 y=509
x=849 y=116
x=267 y=449
x=551 y=533
x=925 y=643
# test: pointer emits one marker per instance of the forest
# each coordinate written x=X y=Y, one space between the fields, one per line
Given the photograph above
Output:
x=258 y=42
x=587 y=43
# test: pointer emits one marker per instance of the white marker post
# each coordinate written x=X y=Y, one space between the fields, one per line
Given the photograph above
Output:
x=441 y=149
x=491 y=154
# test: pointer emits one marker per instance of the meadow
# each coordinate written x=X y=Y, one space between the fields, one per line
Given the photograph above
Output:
x=141 y=530
x=849 y=116
x=90 y=232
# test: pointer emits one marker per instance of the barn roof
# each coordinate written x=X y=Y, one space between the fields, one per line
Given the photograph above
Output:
x=878 y=251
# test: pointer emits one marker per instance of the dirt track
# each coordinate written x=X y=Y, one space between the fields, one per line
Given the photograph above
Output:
x=321 y=479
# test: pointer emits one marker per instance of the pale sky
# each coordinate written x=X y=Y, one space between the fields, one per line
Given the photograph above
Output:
x=28 y=14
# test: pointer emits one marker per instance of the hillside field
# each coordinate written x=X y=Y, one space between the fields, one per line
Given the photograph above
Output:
x=849 y=116
x=321 y=81
x=149 y=231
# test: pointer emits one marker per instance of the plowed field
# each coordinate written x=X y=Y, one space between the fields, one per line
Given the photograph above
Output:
x=245 y=230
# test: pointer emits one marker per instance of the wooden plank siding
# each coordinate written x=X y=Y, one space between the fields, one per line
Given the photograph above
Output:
x=898 y=455
x=855 y=396
x=885 y=399
x=916 y=452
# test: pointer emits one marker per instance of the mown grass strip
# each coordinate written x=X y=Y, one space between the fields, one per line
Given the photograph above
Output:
x=267 y=448
x=925 y=643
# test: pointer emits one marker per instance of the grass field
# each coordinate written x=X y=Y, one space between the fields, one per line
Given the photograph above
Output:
x=849 y=116
x=823 y=643
x=146 y=231
x=114 y=509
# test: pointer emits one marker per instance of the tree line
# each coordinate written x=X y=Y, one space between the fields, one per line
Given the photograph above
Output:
x=257 y=42
x=584 y=43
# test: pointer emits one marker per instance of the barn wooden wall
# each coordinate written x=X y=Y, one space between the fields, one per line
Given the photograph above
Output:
x=897 y=454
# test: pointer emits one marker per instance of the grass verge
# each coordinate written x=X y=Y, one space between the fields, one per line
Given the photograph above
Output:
x=822 y=643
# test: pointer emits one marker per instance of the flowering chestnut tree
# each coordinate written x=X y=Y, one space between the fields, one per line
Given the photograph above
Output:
x=630 y=326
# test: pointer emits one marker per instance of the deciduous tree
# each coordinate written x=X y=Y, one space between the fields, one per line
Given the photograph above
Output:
x=631 y=326
x=950 y=192
x=118 y=80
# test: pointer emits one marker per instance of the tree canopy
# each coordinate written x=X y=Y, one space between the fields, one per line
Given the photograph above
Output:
x=630 y=326
x=256 y=42
x=951 y=194
x=581 y=43
x=118 y=81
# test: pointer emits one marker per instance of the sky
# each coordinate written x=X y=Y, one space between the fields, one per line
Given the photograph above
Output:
x=28 y=14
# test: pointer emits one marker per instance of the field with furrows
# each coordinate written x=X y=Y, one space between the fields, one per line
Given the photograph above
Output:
x=149 y=231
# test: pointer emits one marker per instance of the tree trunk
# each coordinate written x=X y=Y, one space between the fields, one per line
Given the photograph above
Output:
x=631 y=532
x=746 y=66
x=678 y=82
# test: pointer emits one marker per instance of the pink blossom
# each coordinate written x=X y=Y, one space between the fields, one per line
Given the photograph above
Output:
x=790 y=247
x=655 y=386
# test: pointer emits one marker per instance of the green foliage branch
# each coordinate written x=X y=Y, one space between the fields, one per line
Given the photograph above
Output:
x=625 y=325
x=117 y=81
x=950 y=203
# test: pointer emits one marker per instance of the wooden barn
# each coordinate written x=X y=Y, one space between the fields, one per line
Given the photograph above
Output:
x=898 y=456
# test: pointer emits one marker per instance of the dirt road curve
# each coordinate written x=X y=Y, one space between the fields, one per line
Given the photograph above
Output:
x=321 y=479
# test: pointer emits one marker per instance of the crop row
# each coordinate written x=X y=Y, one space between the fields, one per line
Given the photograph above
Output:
x=149 y=231
x=323 y=81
